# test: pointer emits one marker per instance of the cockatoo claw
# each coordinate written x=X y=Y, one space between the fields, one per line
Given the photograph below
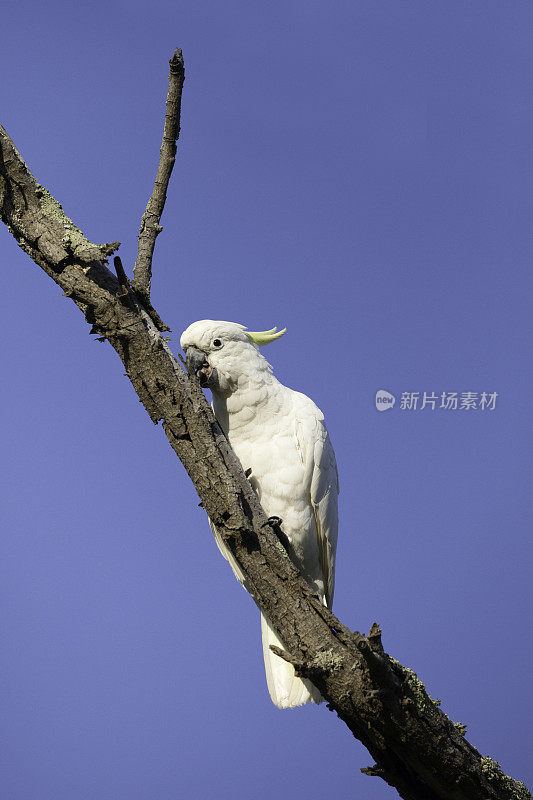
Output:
x=276 y=523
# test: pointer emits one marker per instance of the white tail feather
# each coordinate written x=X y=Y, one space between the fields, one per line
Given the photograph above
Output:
x=286 y=690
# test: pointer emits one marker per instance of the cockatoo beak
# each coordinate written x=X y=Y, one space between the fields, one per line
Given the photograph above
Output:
x=197 y=364
x=195 y=359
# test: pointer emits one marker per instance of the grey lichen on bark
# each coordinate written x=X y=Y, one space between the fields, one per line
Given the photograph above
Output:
x=417 y=749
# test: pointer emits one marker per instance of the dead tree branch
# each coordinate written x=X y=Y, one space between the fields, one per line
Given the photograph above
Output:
x=416 y=747
x=150 y=227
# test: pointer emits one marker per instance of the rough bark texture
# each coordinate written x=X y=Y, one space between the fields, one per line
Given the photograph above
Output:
x=150 y=227
x=416 y=747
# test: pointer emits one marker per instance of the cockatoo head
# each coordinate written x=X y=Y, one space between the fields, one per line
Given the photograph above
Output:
x=222 y=354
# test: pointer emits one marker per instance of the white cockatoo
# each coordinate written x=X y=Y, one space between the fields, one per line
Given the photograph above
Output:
x=281 y=441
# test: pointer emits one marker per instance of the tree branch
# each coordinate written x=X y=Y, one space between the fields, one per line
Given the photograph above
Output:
x=150 y=228
x=416 y=747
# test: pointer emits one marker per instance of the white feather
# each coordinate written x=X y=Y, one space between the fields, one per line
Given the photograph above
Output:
x=280 y=435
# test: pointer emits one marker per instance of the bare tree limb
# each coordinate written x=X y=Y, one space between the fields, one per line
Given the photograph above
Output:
x=150 y=227
x=416 y=747
x=121 y=275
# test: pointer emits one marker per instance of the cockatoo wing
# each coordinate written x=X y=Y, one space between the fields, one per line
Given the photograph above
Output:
x=227 y=555
x=322 y=482
x=224 y=550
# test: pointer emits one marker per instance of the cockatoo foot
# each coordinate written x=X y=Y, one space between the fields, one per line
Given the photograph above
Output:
x=276 y=523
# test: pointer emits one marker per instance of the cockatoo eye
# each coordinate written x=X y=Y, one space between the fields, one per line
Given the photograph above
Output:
x=217 y=343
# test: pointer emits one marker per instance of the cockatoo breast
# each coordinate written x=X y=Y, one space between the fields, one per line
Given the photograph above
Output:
x=258 y=419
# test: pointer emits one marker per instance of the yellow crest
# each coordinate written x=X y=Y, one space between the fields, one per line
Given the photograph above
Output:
x=261 y=338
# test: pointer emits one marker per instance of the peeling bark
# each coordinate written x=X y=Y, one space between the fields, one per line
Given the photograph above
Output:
x=417 y=749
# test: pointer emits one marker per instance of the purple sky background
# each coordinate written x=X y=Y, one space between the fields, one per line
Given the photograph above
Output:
x=361 y=173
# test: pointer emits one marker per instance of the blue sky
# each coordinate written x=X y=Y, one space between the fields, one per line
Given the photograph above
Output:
x=362 y=174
